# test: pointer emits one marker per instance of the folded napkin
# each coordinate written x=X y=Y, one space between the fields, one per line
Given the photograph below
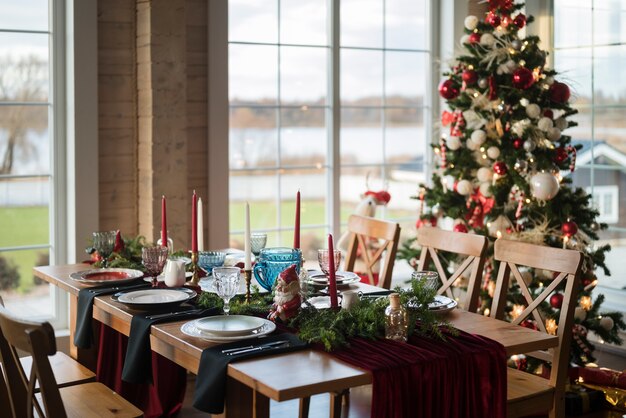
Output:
x=83 y=337
x=211 y=382
x=138 y=362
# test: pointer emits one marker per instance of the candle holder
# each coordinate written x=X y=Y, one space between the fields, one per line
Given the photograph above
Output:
x=247 y=274
x=195 y=277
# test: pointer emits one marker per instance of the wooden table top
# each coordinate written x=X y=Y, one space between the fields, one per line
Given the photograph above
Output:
x=324 y=372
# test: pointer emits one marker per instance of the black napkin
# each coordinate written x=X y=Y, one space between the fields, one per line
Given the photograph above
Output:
x=138 y=361
x=211 y=381
x=83 y=337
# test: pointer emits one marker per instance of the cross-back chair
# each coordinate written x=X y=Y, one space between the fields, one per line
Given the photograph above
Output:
x=386 y=236
x=37 y=339
x=434 y=240
x=527 y=393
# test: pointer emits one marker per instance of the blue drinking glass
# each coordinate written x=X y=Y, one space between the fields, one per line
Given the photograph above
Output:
x=209 y=259
x=272 y=262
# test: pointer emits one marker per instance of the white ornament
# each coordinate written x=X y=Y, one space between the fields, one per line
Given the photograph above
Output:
x=465 y=39
x=529 y=146
x=485 y=189
x=549 y=80
x=580 y=314
x=449 y=181
x=544 y=186
x=484 y=174
x=524 y=102
x=471 y=22
x=520 y=126
x=554 y=134
x=561 y=123
x=493 y=152
x=487 y=40
x=464 y=187
x=453 y=143
x=473 y=120
x=471 y=145
x=533 y=110
x=607 y=323
x=479 y=136
x=544 y=124
x=501 y=224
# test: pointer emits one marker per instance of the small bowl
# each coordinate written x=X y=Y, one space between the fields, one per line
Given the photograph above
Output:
x=209 y=259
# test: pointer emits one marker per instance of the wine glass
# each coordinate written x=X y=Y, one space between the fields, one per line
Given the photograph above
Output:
x=153 y=259
x=323 y=260
x=104 y=242
x=226 y=283
x=257 y=243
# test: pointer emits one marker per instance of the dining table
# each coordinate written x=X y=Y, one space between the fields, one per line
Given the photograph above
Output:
x=253 y=382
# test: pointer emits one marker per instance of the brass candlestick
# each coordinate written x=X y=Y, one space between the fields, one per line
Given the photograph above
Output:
x=195 y=277
x=247 y=274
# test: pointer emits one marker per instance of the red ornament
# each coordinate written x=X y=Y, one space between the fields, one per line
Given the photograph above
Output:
x=559 y=92
x=560 y=155
x=518 y=143
x=448 y=89
x=523 y=78
x=493 y=92
x=460 y=228
x=569 y=228
x=470 y=77
x=556 y=300
x=504 y=5
x=520 y=20
x=427 y=221
x=548 y=113
x=492 y=19
x=500 y=168
x=528 y=323
x=474 y=38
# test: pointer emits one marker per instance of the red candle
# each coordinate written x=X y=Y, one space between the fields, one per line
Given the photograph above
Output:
x=296 y=232
x=332 y=281
x=163 y=223
x=194 y=223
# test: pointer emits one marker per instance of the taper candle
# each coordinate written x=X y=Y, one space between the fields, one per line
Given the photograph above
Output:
x=200 y=227
x=246 y=241
x=194 y=223
x=163 y=222
x=296 y=232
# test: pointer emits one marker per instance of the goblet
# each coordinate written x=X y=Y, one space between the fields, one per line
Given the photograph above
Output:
x=226 y=283
x=104 y=242
x=430 y=278
x=153 y=259
x=257 y=243
x=322 y=259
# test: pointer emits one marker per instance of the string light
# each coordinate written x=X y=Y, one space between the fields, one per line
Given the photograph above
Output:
x=517 y=310
x=486 y=312
x=585 y=302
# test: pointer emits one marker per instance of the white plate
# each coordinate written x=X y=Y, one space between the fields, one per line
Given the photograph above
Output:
x=108 y=275
x=191 y=329
x=161 y=277
x=230 y=325
x=442 y=304
x=319 y=302
x=344 y=278
x=153 y=296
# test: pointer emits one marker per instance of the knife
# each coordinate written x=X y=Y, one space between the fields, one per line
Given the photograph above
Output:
x=117 y=288
x=173 y=314
x=277 y=344
x=237 y=350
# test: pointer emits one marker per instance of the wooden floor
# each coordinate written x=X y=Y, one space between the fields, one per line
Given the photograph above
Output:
x=320 y=406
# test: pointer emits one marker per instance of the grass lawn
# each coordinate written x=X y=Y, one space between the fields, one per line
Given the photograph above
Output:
x=24 y=226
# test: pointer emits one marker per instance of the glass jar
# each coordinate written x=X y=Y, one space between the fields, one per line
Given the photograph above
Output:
x=396 y=319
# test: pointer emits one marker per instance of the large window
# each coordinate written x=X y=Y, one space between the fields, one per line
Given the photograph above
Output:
x=322 y=97
x=27 y=149
x=590 y=58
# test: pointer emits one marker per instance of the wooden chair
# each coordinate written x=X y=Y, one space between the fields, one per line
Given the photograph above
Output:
x=83 y=400
x=434 y=240
x=527 y=393
x=361 y=228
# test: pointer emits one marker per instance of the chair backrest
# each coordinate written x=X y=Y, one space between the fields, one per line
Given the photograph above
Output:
x=433 y=240
x=567 y=264
x=37 y=339
x=386 y=235
x=5 y=400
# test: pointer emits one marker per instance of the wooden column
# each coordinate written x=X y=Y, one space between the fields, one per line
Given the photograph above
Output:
x=162 y=121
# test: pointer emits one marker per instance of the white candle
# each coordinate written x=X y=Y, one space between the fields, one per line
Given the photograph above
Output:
x=200 y=226
x=246 y=241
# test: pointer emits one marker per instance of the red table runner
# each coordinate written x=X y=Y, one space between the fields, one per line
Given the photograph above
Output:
x=462 y=377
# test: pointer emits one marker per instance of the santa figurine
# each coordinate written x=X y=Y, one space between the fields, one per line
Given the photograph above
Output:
x=287 y=298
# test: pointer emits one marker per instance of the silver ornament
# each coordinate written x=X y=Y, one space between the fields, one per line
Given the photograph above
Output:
x=516 y=44
x=521 y=166
x=483 y=83
x=436 y=210
x=529 y=145
x=594 y=226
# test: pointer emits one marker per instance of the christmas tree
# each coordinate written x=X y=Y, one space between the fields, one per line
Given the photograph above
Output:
x=503 y=161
